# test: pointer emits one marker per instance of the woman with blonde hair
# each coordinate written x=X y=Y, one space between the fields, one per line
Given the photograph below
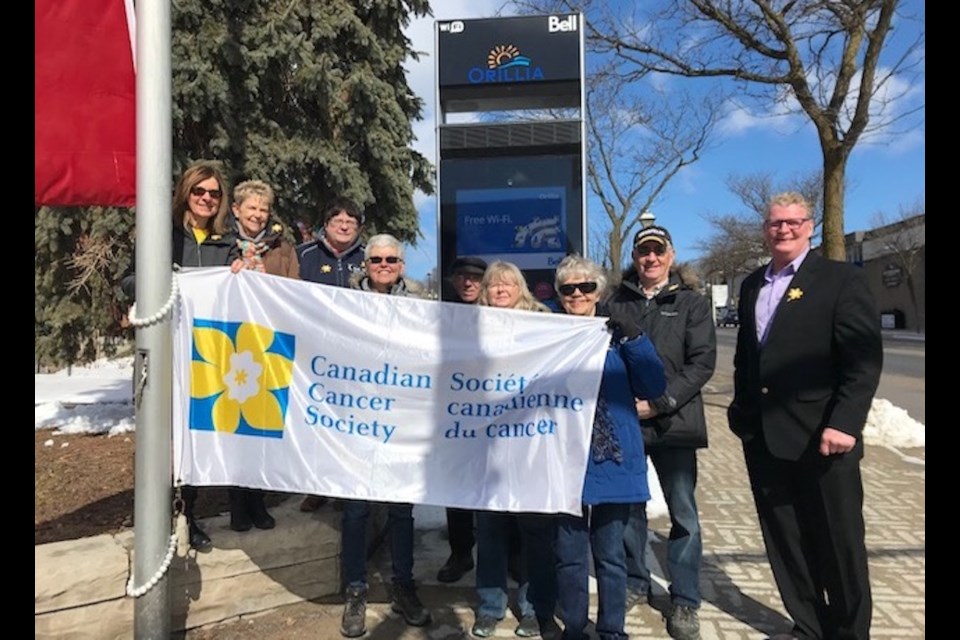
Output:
x=504 y=286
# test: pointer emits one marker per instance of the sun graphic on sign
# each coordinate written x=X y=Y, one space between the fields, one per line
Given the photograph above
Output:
x=240 y=375
x=501 y=54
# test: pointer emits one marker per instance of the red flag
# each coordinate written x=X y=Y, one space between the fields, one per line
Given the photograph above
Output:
x=84 y=101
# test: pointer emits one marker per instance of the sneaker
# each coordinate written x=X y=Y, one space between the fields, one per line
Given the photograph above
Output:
x=353 y=624
x=455 y=567
x=529 y=627
x=683 y=623
x=407 y=604
x=484 y=627
x=636 y=597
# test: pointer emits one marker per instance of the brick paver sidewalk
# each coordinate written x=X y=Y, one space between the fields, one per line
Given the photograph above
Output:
x=740 y=598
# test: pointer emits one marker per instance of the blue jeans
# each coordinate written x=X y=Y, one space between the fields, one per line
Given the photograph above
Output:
x=601 y=529
x=677 y=470
x=353 y=542
x=538 y=589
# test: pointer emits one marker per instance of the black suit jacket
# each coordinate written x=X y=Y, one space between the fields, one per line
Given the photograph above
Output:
x=820 y=365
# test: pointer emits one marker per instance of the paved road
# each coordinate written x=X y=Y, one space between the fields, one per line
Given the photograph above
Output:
x=740 y=599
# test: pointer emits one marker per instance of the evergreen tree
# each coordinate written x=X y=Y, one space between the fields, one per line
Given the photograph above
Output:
x=80 y=255
x=310 y=96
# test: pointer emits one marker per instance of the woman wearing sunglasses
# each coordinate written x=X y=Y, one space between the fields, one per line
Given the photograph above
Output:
x=383 y=268
x=202 y=237
x=504 y=286
x=616 y=470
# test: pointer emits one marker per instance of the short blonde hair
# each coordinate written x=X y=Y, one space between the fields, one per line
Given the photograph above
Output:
x=249 y=188
x=788 y=198
x=495 y=272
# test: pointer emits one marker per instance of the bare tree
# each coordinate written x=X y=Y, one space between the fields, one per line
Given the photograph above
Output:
x=735 y=245
x=755 y=190
x=904 y=239
x=638 y=141
x=818 y=57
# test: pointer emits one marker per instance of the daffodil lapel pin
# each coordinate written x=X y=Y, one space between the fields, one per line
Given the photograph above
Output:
x=794 y=294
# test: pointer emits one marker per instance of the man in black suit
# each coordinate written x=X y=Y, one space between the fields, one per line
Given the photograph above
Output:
x=807 y=364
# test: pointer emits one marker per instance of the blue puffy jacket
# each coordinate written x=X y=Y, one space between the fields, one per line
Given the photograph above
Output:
x=617 y=468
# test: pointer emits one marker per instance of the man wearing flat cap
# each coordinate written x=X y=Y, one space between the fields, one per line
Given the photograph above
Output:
x=466 y=272
x=679 y=322
x=465 y=276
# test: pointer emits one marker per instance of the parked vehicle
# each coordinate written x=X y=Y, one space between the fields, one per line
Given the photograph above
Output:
x=728 y=318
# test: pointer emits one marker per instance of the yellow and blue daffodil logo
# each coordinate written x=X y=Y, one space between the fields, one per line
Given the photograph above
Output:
x=240 y=377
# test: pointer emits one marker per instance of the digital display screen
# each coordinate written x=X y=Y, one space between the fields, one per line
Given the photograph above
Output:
x=526 y=209
x=524 y=226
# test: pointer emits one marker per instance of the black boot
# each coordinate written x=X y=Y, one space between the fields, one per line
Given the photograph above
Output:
x=239 y=510
x=199 y=539
x=258 y=511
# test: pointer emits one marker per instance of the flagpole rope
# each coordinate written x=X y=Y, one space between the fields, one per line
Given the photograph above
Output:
x=152 y=582
x=162 y=312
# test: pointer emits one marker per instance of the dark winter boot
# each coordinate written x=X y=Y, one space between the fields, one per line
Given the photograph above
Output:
x=239 y=509
x=199 y=539
x=258 y=511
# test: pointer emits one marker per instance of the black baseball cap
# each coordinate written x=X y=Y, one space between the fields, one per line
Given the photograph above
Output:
x=468 y=264
x=653 y=234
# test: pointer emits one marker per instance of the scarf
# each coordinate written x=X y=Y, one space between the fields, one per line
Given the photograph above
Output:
x=604 y=444
x=252 y=249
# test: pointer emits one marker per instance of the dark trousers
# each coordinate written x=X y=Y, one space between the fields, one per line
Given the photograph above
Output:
x=811 y=516
x=460 y=530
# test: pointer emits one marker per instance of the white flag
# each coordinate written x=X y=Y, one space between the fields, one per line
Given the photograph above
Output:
x=294 y=386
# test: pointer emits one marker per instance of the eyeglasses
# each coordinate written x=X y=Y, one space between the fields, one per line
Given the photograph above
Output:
x=349 y=223
x=656 y=248
x=791 y=223
x=585 y=287
x=388 y=259
x=198 y=192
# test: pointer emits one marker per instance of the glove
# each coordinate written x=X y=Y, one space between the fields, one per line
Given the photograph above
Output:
x=625 y=327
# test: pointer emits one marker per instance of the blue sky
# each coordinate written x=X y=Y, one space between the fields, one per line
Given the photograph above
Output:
x=884 y=173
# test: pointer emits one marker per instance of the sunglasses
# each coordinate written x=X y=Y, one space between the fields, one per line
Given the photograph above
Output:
x=657 y=249
x=585 y=287
x=388 y=259
x=199 y=191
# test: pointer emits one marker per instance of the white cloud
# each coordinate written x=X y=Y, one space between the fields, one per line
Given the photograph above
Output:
x=781 y=118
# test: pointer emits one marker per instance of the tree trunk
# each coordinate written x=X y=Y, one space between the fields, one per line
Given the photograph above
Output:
x=834 y=178
x=616 y=247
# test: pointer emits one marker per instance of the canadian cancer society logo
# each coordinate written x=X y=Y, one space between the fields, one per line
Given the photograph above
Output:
x=240 y=376
x=505 y=63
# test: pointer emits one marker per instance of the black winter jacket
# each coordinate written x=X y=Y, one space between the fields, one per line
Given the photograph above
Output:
x=679 y=322
x=217 y=250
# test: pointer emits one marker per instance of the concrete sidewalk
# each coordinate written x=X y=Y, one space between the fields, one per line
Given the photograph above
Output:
x=740 y=598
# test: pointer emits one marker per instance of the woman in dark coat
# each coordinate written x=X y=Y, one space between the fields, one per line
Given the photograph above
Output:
x=202 y=237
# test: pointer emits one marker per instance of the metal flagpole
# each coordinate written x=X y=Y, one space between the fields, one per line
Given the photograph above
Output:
x=153 y=368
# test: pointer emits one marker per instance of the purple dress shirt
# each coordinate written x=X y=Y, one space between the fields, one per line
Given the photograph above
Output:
x=771 y=293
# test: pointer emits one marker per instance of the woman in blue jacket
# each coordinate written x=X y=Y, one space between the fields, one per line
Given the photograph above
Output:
x=617 y=469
